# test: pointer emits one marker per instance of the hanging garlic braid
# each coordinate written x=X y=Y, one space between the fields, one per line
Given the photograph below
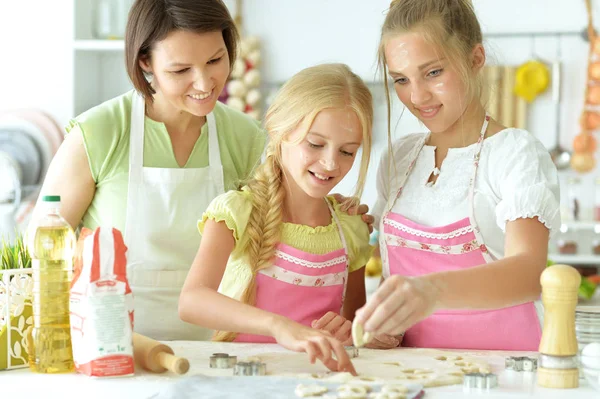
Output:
x=296 y=106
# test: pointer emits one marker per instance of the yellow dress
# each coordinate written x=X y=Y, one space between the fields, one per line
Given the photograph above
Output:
x=234 y=208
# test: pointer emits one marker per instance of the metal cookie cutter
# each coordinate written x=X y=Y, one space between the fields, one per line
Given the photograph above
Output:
x=352 y=351
x=521 y=363
x=222 y=361
x=479 y=381
x=250 y=368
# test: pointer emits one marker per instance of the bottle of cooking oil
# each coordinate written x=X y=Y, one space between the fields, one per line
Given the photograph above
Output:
x=53 y=246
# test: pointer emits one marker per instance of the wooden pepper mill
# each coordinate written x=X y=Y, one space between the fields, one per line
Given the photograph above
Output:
x=557 y=365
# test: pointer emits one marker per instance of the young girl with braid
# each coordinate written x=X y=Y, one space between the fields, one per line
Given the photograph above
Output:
x=279 y=254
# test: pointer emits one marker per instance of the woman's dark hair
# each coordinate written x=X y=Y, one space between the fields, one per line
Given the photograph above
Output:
x=150 y=21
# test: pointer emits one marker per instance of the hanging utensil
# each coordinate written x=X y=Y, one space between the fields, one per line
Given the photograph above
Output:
x=531 y=78
x=560 y=156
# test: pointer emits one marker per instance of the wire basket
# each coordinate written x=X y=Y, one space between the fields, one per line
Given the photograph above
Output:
x=16 y=317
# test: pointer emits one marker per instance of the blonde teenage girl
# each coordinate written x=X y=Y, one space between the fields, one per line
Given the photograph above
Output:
x=464 y=211
x=280 y=254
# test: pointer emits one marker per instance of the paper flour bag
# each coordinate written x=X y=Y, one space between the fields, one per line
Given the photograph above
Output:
x=102 y=306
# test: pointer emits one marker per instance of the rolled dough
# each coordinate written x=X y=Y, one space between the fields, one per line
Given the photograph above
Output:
x=428 y=367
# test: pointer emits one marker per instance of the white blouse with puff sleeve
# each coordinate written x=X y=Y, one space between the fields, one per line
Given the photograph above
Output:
x=515 y=179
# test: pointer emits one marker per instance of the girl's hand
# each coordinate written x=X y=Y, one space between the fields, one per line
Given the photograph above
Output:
x=384 y=341
x=361 y=210
x=341 y=329
x=398 y=304
x=336 y=325
x=317 y=344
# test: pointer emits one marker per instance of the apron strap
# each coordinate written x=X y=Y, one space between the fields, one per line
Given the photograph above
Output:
x=414 y=156
x=214 y=153
x=392 y=199
x=136 y=151
x=136 y=132
x=136 y=158
x=476 y=157
x=340 y=230
x=345 y=245
x=486 y=254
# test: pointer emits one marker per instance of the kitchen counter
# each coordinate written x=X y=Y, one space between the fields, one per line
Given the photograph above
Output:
x=512 y=384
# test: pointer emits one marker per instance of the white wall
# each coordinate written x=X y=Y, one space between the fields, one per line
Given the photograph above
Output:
x=36 y=56
x=36 y=63
x=297 y=34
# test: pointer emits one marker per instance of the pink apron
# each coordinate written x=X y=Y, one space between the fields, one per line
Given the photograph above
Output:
x=411 y=249
x=302 y=286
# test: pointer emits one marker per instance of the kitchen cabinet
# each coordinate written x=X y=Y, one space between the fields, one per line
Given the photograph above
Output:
x=99 y=72
x=585 y=235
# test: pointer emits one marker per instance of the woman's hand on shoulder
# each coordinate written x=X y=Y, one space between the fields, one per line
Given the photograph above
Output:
x=317 y=344
x=361 y=210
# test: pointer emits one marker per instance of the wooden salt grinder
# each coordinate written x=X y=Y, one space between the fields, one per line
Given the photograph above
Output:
x=557 y=366
x=157 y=357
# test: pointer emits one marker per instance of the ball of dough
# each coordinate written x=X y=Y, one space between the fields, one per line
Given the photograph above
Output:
x=252 y=78
x=359 y=336
x=237 y=88
x=236 y=103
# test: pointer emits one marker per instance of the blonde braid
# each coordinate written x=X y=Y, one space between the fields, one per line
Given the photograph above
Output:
x=293 y=110
x=264 y=227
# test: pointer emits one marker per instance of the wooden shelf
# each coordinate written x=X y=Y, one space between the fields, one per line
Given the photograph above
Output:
x=99 y=45
x=587 y=259
x=591 y=225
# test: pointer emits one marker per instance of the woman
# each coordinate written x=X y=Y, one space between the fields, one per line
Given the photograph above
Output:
x=147 y=162
x=151 y=160
x=466 y=210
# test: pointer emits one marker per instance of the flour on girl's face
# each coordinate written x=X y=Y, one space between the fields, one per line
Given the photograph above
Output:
x=425 y=81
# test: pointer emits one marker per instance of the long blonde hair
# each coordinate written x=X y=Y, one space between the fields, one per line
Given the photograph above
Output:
x=450 y=25
x=296 y=105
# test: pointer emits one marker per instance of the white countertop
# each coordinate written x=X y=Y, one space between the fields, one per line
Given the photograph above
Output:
x=143 y=385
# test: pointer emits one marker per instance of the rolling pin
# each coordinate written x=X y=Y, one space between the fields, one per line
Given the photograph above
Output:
x=157 y=357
